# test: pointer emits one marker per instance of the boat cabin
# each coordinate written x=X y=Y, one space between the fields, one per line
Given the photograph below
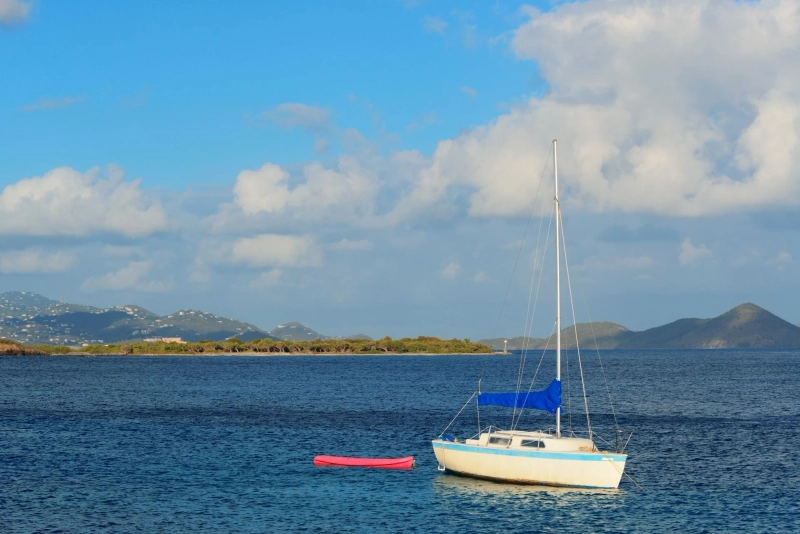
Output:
x=538 y=440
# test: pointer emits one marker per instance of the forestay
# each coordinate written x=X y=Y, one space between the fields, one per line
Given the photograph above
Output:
x=548 y=399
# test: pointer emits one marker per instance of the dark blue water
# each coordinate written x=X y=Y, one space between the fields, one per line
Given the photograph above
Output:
x=225 y=444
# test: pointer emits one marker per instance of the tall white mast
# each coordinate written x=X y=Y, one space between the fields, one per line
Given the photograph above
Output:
x=558 y=284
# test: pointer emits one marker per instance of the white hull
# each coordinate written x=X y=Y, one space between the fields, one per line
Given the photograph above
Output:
x=556 y=468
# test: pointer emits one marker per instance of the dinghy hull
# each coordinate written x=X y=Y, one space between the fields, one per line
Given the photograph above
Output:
x=351 y=461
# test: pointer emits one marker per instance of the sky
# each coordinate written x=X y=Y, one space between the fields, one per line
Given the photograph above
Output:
x=384 y=167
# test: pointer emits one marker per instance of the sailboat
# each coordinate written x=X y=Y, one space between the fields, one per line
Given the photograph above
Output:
x=546 y=457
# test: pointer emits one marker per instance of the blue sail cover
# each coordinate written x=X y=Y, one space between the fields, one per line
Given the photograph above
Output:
x=548 y=399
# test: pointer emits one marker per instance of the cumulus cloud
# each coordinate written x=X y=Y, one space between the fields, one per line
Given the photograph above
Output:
x=65 y=202
x=36 y=260
x=346 y=244
x=132 y=276
x=480 y=277
x=451 y=270
x=434 y=25
x=690 y=253
x=672 y=107
x=350 y=188
x=296 y=115
x=275 y=250
x=14 y=11
x=53 y=103
x=469 y=91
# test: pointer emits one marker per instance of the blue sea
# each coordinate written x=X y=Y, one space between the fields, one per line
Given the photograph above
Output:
x=225 y=444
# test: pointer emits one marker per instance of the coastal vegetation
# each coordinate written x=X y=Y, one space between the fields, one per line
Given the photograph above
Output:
x=387 y=345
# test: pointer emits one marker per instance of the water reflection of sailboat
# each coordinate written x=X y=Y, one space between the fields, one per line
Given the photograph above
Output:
x=449 y=485
x=548 y=458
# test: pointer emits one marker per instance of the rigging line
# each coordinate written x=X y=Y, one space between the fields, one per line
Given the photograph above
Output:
x=597 y=350
x=575 y=324
x=533 y=276
x=527 y=329
x=522 y=243
x=530 y=294
x=459 y=413
x=569 y=395
x=623 y=472
x=516 y=261
x=541 y=359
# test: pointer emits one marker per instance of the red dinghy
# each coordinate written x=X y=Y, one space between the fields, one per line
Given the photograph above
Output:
x=350 y=461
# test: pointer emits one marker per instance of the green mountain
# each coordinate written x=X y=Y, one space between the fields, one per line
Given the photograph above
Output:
x=295 y=332
x=33 y=319
x=745 y=326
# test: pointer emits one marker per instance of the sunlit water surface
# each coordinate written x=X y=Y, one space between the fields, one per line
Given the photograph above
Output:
x=225 y=444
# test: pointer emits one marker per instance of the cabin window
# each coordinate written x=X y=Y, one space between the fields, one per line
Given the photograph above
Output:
x=498 y=441
x=535 y=444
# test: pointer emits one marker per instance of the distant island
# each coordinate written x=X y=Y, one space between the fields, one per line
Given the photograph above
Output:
x=31 y=322
x=387 y=345
x=33 y=319
x=745 y=326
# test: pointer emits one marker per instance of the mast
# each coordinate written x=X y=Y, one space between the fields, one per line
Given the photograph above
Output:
x=558 y=284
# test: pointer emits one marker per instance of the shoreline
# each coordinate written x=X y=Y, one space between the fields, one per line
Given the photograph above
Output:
x=263 y=354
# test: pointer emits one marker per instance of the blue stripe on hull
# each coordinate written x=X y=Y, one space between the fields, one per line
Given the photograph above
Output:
x=591 y=457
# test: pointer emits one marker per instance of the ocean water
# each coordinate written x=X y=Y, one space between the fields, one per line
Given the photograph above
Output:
x=225 y=444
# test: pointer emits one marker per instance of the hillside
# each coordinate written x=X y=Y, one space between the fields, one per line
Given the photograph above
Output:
x=295 y=332
x=605 y=332
x=33 y=319
x=745 y=326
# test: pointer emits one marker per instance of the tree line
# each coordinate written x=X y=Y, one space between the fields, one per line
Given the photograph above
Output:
x=387 y=345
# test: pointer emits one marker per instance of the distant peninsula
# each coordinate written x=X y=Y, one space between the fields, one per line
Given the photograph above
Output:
x=33 y=319
x=266 y=346
x=32 y=323
x=745 y=326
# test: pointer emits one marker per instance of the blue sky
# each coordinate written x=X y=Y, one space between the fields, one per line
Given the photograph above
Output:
x=368 y=166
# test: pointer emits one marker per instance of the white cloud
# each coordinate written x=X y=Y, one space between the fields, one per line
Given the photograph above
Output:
x=350 y=189
x=14 y=11
x=131 y=276
x=480 y=277
x=269 y=250
x=35 y=260
x=690 y=253
x=451 y=270
x=265 y=189
x=296 y=115
x=672 y=107
x=434 y=25
x=53 y=103
x=65 y=202
x=781 y=260
x=469 y=91
x=267 y=279
x=346 y=244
